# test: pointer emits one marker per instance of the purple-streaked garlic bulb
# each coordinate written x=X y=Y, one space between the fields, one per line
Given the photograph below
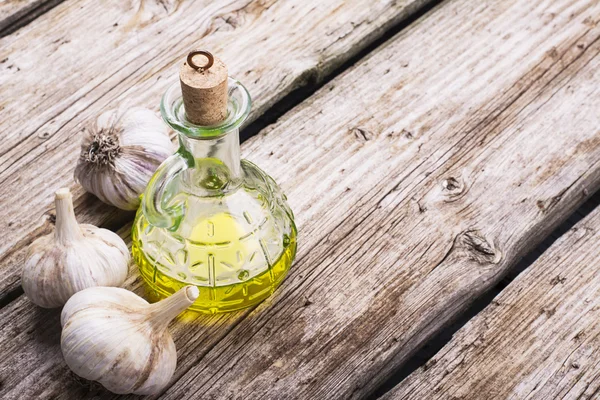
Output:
x=120 y=153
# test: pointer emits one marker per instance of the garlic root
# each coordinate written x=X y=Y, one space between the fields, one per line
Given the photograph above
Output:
x=72 y=258
x=112 y=336
x=120 y=153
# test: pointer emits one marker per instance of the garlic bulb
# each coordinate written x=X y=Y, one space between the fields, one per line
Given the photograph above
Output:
x=114 y=337
x=72 y=258
x=120 y=153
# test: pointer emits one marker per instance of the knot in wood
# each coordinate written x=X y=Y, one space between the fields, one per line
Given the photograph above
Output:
x=361 y=134
x=477 y=247
x=453 y=189
x=450 y=184
x=558 y=279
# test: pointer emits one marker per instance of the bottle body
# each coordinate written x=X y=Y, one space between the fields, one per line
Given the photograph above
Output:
x=214 y=221
x=236 y=248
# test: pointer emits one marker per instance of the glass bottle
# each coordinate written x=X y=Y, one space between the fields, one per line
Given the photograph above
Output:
x=210 y=219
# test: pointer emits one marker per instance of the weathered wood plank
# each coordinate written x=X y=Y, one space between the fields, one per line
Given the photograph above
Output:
x=16 y=13
x=539 y=339
x=418 y=178
x=96 y=54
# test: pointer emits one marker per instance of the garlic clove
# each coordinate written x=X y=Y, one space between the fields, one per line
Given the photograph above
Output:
x=72 y=258
x=120 y=153
x=114 y=337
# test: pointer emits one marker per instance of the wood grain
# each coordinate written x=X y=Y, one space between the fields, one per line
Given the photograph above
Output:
x=86 y=56
x=418 y=177
x=538 y=339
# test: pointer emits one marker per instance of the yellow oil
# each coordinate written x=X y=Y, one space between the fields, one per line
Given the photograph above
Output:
x=218 y=246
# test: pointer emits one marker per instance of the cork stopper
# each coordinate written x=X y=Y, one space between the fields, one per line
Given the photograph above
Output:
x=203 y=80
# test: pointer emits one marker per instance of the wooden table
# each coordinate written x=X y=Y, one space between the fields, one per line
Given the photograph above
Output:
x=424 y=148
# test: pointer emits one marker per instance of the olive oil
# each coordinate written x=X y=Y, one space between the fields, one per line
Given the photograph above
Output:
x=225 y=288
x=235 y=246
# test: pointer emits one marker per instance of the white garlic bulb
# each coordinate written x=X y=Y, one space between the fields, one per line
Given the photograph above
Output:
x=72 y=258
x=120 y=153
x=112 y=336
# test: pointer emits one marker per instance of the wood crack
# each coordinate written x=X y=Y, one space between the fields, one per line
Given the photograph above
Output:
x=24 y=14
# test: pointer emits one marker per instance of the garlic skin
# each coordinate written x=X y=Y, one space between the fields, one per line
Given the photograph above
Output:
x=120 y=153
x=113 y=336
x=72 y=258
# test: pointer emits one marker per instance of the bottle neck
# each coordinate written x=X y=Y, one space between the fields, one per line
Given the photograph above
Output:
x=216 y=160
x=212 y=153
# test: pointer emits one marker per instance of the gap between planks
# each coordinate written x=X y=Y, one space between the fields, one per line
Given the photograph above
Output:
x=15 y=14
x=537 y=339
x=431 y=348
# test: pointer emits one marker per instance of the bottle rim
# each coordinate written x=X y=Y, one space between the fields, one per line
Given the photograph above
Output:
x=239 y=104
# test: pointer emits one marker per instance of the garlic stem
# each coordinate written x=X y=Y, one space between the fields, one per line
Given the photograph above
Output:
x=67 y=229
x=166 y=310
